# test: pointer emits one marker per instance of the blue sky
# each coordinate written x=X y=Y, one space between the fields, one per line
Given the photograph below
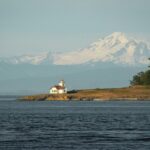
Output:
x=28 y=26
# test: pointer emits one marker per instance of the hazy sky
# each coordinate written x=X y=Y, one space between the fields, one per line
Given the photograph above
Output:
x=59 y=25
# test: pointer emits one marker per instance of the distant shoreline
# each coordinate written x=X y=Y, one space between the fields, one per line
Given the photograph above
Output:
x=109 y=94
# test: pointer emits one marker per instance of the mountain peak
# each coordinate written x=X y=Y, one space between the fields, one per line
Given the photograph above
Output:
x=118 y=34
x=117 y=37
x=116 y=48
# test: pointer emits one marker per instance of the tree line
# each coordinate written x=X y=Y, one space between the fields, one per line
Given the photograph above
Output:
x=142 y=78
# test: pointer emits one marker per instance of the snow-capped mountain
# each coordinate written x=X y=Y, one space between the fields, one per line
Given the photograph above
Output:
x=116 y=48
x=41 y=58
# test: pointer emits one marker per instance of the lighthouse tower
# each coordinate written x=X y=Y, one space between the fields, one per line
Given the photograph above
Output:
x=62 y=83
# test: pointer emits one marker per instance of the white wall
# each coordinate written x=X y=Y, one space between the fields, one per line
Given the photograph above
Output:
x=55 y=91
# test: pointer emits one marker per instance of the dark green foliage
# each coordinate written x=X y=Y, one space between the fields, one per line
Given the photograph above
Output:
x=142 y=78
x=71 y=92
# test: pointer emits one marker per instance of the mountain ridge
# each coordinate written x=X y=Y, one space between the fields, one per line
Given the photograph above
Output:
x=115 y=48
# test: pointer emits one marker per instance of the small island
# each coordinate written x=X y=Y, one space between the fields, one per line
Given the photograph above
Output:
x=127 y=93
x=138 y=90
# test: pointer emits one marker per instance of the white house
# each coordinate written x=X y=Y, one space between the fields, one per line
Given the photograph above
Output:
x=58 y=89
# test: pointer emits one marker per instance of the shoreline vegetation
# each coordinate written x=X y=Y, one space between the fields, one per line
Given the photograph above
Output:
x=126 y=93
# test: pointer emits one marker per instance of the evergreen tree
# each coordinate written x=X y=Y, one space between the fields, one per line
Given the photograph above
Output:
x=142 y=78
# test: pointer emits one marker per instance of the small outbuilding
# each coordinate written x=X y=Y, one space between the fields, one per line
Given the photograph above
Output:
x=58 y=89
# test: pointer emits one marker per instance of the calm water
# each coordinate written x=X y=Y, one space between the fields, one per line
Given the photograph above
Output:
x=73 y=125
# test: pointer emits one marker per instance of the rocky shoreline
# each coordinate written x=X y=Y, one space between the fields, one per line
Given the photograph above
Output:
x=127 y=93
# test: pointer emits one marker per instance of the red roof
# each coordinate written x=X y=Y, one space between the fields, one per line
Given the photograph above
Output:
x=58 y=87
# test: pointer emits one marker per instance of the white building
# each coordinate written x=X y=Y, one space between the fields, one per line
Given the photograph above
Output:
x=58 y=89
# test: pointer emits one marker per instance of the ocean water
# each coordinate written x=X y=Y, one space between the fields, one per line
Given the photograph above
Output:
x=74 y=125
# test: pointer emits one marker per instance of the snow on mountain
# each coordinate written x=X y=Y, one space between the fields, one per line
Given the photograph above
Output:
x=41 y=58
x=116 y=48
